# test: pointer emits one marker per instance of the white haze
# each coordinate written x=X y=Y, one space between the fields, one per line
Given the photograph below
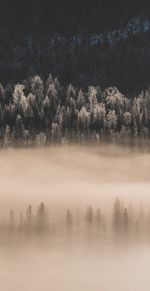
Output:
x=74 y=177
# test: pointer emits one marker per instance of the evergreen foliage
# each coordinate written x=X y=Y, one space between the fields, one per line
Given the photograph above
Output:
x=38 y=114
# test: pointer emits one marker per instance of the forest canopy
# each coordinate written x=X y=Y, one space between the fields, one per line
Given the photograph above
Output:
x=37 y=114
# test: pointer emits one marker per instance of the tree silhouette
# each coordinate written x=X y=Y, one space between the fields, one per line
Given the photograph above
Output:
x=89 y=216
x=29 y=218
x=125 y=219
x=12 y=220
x=121 y=221
x=19 y=130
x=69 y=219
x=117 y=215
x=42 y=222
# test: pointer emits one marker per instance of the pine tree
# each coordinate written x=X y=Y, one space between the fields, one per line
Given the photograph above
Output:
x=89 y=216
x=69 y=219
x=117 y=215
x=18 y=93
x=125 y=220
x=19 y=130
x=111 y=120
x=42 y=219
x=12 y=220
x=37 y=88
x=83 y=120
x=29 y=219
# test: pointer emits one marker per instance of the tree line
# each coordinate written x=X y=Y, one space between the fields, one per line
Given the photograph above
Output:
x=35 y=113
x=123 y=220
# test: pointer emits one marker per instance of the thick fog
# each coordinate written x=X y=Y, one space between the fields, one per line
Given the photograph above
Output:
x=95 y=230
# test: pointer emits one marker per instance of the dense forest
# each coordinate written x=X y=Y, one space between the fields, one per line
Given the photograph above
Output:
x=38 y=113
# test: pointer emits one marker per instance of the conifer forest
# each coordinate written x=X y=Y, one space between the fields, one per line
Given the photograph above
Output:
x=74 y=145
x=38 y=114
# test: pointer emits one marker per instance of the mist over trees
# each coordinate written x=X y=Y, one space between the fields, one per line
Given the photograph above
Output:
x=120 y=221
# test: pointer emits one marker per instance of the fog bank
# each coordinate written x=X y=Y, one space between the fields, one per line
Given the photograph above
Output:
x=74 y=178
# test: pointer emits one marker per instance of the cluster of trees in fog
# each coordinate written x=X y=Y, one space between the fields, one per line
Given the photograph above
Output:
x=119 y=58
x=34 y=113
x=123 y=220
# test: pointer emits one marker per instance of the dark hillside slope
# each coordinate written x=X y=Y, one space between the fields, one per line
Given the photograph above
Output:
x=69 y=16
